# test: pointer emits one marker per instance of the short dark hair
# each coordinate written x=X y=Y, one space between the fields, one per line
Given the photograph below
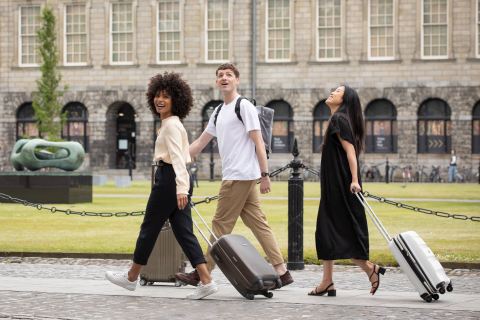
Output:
x=176 y=88
x=230 y=66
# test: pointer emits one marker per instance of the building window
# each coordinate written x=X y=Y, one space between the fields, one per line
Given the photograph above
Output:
x=435 y=29
x=282 y=132
x=476 y=129
x=478 y=28
x=278 y=30
x=75 y=50
x=122 y=33
x=26 y=122
x=30 y=22
x=168 y=42
x=329 y=30
x=321 y=114
x=218 y=30
x=381 y=30
x=434 y=127
x=207 y=112
x=75 y=127
x=381 y=127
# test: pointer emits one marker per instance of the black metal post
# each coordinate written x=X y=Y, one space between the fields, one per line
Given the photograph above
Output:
x=212 y=163
x=129 y=163
x=479 y=172
x=387 y=170
x=295 y=213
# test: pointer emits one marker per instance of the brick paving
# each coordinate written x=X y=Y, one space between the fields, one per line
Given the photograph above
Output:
x=41 y=305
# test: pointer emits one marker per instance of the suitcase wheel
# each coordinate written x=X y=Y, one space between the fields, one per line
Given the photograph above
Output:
x=143 y=282
x=428 y=298
x=435 y=296
x=441 y=290
x=249 y=296
x=268 y=294
x=450 y=287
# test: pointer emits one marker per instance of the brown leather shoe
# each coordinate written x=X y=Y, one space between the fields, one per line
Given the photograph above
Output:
x=192 y=278
x=286 y=279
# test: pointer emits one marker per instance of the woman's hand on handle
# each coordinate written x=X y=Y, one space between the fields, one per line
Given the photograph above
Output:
x=355 y=187
x=182 y=201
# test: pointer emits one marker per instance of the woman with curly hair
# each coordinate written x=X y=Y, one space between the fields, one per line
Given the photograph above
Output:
x=170 y=97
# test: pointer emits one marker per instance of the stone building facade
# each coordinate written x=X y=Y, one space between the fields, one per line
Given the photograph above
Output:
x=415 y=64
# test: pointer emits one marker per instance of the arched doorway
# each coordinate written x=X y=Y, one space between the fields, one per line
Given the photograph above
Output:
x=125 y=140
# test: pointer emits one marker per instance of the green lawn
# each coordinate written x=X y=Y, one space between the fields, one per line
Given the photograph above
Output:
x=25 y=229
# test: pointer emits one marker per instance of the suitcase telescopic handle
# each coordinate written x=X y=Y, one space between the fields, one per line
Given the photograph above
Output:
x=192 y=205
x=373 y=216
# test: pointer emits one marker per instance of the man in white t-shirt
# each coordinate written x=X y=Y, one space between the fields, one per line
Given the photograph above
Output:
x=244 y=161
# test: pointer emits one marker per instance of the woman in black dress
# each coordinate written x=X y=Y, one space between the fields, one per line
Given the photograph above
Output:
x=342 y=231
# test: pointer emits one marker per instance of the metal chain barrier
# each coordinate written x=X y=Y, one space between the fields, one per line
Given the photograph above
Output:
x=212 y=198
x=422 y=210
x=69 y=211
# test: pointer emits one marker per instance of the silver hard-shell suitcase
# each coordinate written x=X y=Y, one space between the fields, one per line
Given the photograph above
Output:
x=415 y=259
x=166 y=259
x=241 y=263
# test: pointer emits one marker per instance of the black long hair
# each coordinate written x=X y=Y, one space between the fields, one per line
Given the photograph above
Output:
x=353 y=109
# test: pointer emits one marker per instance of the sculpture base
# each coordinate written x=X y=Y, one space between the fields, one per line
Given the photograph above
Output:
x=47 y=187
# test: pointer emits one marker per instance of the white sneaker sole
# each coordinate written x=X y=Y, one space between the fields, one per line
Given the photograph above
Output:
x=203 y=295
x=119 y=283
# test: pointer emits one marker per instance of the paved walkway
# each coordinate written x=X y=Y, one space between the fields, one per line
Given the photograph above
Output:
x=40 y=288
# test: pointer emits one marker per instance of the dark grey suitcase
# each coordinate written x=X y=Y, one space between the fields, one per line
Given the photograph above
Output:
x=241 y=263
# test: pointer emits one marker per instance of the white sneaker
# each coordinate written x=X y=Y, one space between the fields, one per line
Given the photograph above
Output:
x=203 y=290
x=121 y=279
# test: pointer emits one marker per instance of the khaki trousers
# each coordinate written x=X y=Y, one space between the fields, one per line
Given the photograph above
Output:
x=240 y=198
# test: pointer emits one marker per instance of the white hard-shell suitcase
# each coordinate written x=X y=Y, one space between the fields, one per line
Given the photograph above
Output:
x=415 y=259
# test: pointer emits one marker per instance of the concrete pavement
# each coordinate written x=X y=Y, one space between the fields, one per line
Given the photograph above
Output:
x=39 y=288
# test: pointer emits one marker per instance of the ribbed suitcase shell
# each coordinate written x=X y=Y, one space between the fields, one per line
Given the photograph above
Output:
x=243 y=266
x=166 y=259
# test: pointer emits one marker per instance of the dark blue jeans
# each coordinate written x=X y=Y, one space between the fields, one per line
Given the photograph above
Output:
x=162 y=205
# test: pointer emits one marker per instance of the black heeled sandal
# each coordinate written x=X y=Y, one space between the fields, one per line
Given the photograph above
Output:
x=329 y=292
x=376 y=284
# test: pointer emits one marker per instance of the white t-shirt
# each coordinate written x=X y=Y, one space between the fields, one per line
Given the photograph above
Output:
x=237 y=150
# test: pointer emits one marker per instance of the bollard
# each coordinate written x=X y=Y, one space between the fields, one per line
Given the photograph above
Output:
x=295 y=213
x=478 y=171
x=387 y=169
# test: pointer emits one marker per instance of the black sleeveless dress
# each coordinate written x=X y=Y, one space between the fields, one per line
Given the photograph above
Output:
x=342 y=230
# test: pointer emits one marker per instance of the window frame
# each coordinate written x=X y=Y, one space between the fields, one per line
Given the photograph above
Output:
x=229 y=37
x=87 y=39
x=180 y=32
x=317 y=146
x=447 y=128
x=422 y=33
x=20 y=35
x=24 y=121
x=369 y=35
x=317 y=33
x=83 y=121
x=291 y=34
x=475 y=119
x=288 y=119
x=110 y=36
x=393 y=133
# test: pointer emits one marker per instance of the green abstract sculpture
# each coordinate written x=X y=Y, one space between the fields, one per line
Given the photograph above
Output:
x=35 y=154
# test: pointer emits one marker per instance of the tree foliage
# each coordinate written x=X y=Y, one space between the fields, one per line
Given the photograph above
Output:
x=48 y=110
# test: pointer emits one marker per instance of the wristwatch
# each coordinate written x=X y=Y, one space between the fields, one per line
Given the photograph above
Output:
x=265 y=174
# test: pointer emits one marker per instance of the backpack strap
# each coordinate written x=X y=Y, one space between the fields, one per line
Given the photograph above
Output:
x=216 y=113
x=237 y=110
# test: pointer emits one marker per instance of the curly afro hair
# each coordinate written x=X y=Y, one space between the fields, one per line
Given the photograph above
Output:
x=176 y=88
